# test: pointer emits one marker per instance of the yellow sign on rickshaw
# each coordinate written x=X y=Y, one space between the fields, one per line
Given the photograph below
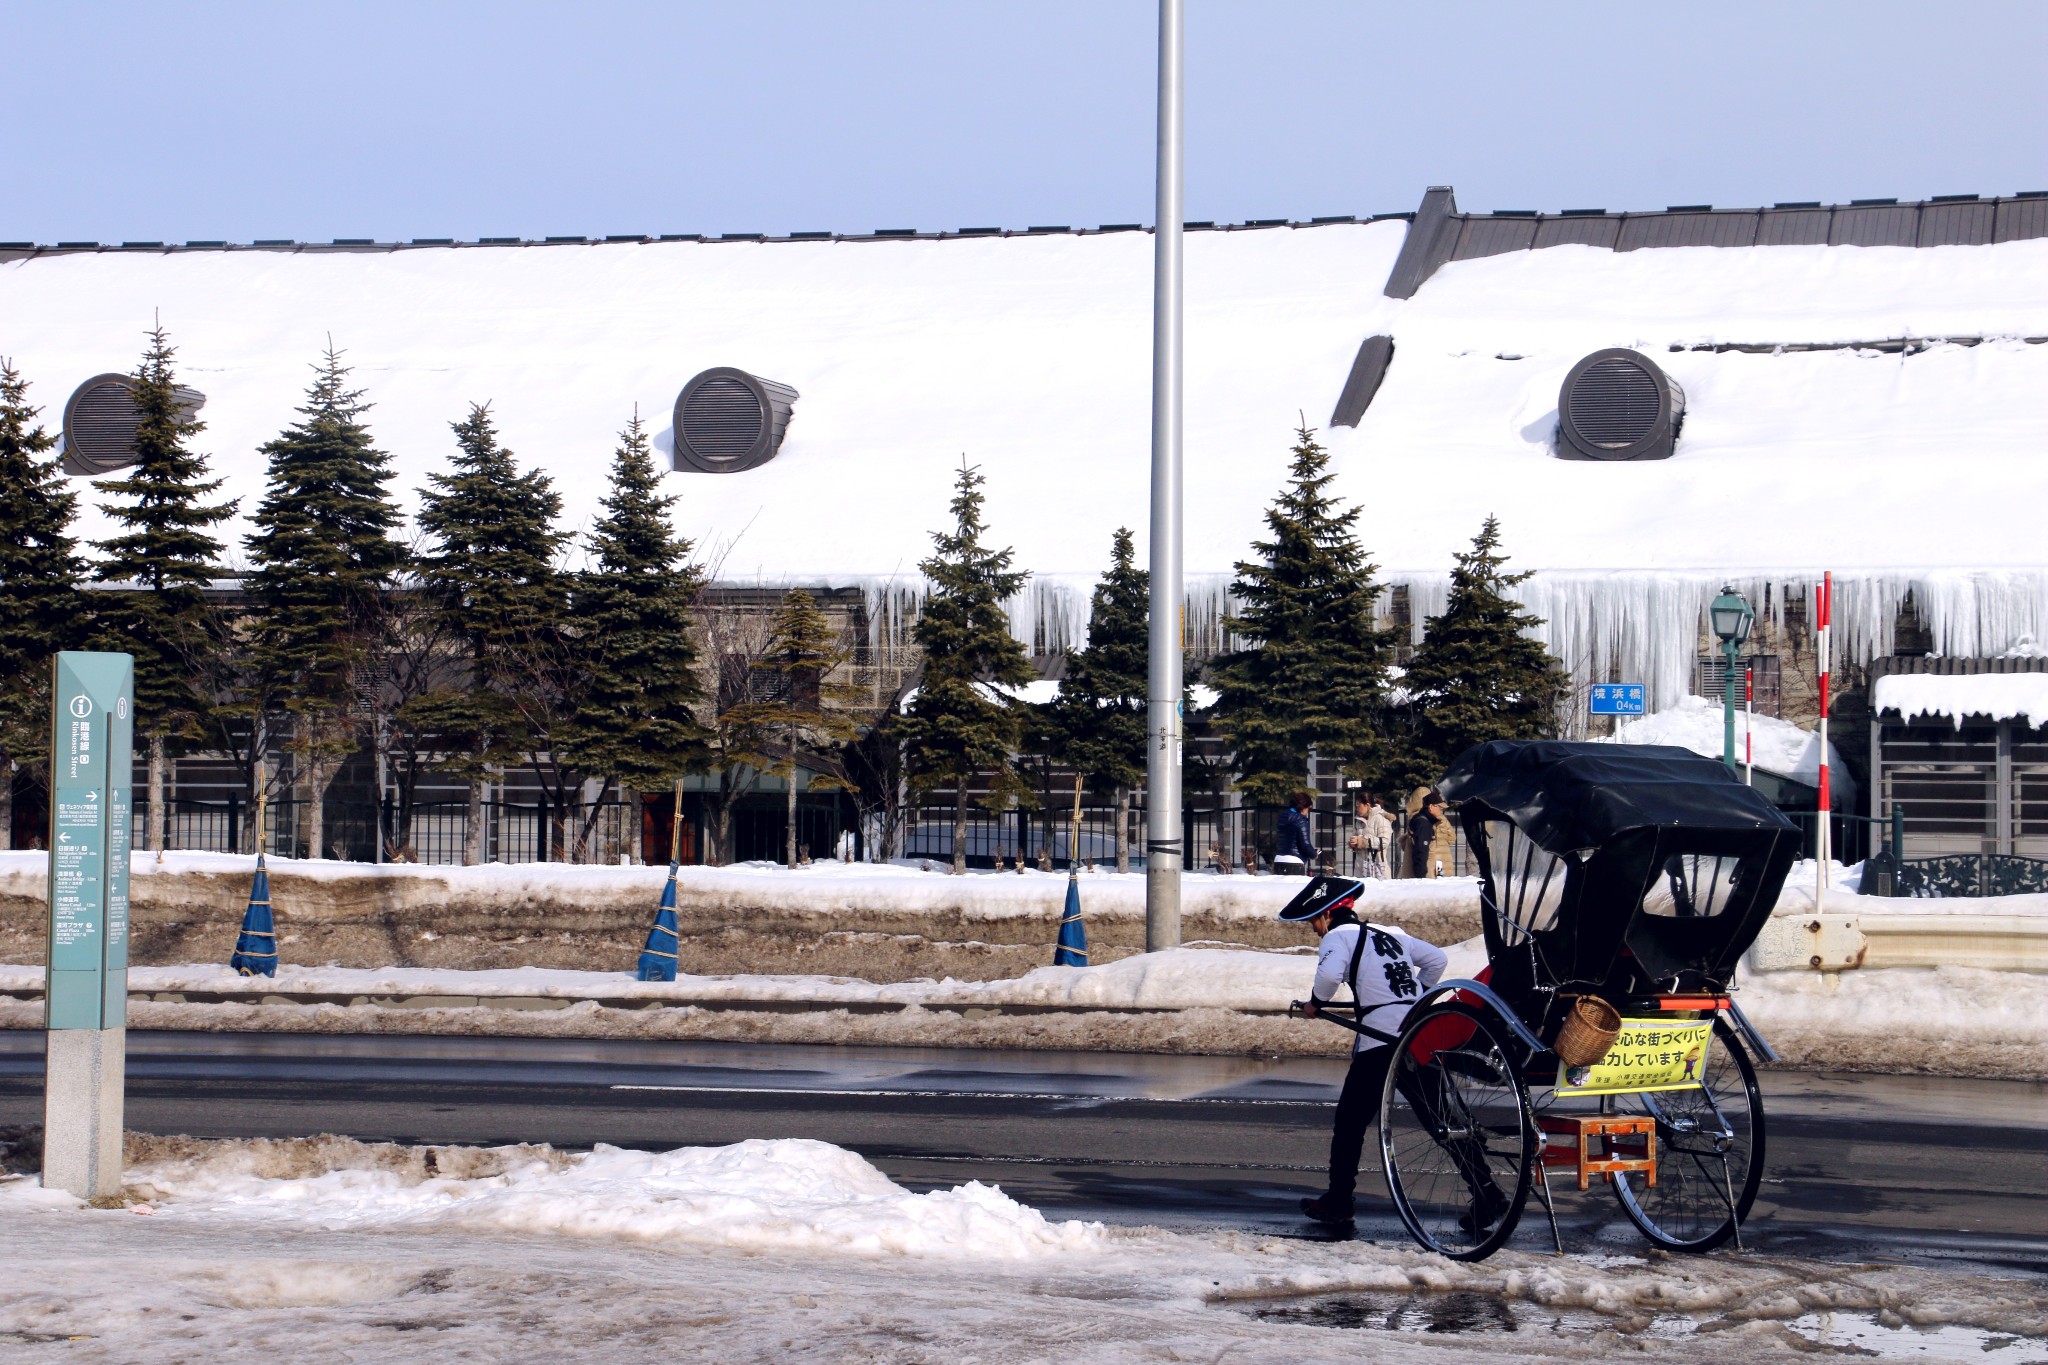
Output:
x=1648 y=1054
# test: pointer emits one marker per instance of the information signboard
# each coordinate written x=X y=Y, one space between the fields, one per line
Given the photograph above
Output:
x=92 y=767
x=1648 y=1054
x=1616 y=699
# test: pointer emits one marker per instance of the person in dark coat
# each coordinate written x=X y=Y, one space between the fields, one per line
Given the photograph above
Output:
x=1294 y=850
x=1422 y=827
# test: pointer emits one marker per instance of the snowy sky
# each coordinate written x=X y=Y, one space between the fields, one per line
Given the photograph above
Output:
x=392 y=120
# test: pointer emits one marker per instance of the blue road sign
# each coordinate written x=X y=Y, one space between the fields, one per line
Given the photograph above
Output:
x=91 y=764
x=1617 y=699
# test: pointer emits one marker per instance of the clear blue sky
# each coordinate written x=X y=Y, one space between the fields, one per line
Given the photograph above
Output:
x=223 y=120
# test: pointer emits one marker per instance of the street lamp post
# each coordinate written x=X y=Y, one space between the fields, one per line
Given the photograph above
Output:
x=1162 y=765
x=1731 y=618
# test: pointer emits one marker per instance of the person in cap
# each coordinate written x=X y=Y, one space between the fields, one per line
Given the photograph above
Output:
x=1424 y=830
x=1386 y=970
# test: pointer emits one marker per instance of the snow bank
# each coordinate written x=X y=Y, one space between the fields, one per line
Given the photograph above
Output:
x=817 y=888
x=1779 y=746
x=2001 y=696
x=1948 y=1021
x=374 y=1256
x=876 y=922
x=789 y=1195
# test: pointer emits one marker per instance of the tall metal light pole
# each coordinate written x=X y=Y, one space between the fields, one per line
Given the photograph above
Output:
x=1163 y=759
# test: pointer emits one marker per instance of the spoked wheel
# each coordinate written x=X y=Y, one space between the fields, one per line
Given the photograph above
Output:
x=1699 y=1198
x=1456 y=1135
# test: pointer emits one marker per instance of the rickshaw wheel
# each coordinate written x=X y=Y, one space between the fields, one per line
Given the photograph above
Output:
x=1457 y=1138
x=1687 y=1209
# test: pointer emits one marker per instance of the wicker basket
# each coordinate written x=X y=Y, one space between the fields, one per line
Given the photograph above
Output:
x=1589 y=1030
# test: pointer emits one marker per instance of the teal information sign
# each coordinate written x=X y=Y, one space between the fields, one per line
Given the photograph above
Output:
x=92 y=764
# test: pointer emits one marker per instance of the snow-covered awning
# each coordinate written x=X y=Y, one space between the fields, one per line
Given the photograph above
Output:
x=2000 y=696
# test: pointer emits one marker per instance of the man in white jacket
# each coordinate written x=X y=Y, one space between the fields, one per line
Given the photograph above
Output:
x=1386 y=970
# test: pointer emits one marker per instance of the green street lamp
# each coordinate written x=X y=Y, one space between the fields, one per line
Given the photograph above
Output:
x=1731 y=619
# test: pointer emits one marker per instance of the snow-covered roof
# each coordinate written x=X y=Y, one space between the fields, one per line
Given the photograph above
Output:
x=2000 y=696
x=1030 y=356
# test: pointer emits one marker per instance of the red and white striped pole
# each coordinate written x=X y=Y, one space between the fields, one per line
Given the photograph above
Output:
x=1823 y=849
x=1749 y=724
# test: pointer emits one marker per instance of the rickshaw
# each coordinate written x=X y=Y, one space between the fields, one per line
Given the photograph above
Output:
x=1619 y=885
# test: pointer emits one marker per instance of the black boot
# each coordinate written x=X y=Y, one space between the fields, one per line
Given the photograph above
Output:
x=1331 y=1210
x=1487 y=1207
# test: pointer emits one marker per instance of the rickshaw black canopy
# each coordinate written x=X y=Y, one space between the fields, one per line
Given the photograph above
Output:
x=1589 y=849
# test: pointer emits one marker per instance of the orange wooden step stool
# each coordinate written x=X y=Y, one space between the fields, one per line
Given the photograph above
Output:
x=1612 y=1130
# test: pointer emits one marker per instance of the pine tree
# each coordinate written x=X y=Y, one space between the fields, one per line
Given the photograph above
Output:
x=165 y=557
x=635 y=718
x=491 y=569
x=1097 y=723
x=1478 y=675
x=955 y=728
x=323 y=557
x=809 y=711
x=40 y=573
x=1313 y=671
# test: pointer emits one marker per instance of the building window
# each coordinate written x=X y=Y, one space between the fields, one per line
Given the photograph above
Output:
x=1711 y=674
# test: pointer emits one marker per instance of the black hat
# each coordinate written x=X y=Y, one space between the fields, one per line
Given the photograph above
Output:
x=1333 y=895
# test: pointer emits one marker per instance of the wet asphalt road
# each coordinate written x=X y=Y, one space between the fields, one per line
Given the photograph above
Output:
x=1859 y=1167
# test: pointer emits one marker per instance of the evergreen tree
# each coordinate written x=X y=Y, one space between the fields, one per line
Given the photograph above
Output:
x=1478 y=675
x=635 y=718
x=1097 y=723
x=490 y=568
x=323 y=556
x=1313 y=671
x=40 y=572
x=956 y=727
x=164 y=558
x=809 y=711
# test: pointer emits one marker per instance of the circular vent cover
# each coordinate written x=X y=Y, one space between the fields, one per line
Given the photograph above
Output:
x=728 y=420
x=1617 y=405
x=100 y=422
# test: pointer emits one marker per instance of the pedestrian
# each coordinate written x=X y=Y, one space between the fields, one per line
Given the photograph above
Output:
x=1294 y=849
x=1372 y=836
x=1424 y=828
x=1386 y=971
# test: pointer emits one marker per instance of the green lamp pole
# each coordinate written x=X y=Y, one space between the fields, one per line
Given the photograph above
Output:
x=1731 y=619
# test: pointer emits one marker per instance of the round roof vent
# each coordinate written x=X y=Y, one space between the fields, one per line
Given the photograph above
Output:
x=728 y=420
x=1617 y=405
x=100 y=422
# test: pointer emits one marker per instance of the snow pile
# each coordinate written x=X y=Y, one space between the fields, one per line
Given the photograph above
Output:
x=787 y=1195
x=225 y=1270
x=2001 y=696
x=1950 y=1021
x=818 y=889
x=1778 y=746
x=1181 y=978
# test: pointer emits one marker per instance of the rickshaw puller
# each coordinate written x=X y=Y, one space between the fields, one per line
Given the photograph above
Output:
x=1386 y=970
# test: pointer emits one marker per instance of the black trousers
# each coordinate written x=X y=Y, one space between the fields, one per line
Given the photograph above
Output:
x=1358 y=1105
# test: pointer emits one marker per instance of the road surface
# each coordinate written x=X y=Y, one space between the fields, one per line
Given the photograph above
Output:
x=1923 y=1169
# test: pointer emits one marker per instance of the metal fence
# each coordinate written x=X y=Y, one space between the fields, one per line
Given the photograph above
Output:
x=1218 y=839
x=438 y=832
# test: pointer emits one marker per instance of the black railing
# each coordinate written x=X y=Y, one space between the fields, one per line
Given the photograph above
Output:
x=1967 y=874
x=1217 y=839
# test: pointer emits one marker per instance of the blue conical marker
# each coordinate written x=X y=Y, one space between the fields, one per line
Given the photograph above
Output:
x=1073 y=945
x=256 y=948
x=658 y=958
